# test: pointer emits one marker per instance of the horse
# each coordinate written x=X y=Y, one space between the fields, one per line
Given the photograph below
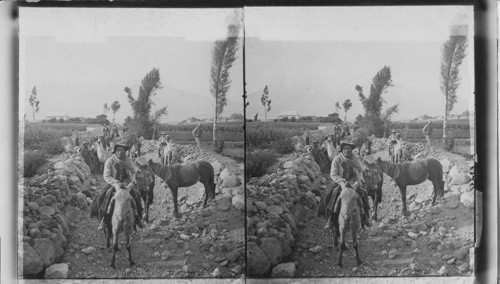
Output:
x=102 y=154
x=373 y=179
x=349 y=215
x=414 y=173
x=186 y=175
x=122 y=209
x=145 y=179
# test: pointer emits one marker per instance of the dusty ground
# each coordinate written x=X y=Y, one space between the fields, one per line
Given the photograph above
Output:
x=203 y=243
x=386 y=248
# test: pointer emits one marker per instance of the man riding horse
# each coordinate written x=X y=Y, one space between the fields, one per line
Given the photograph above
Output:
x=119 y=172
x=348 y=170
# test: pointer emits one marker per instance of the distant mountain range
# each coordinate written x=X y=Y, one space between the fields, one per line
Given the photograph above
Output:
x=183 y=105
x=319 y=100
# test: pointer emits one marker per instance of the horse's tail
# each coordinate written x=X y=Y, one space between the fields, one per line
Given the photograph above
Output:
x=211 y=183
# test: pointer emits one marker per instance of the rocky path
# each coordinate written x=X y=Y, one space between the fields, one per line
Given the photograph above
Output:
x=202 y=243
x=431 y=241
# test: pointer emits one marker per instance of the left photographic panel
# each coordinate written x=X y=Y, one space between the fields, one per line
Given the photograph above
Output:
x=131 y=144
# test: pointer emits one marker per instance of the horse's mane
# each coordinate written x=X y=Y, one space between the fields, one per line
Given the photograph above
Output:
x=393 y=170
x=144 y=178
x=164 y=172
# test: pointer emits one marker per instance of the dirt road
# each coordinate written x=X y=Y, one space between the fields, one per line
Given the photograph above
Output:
x=203 y=243
x=431 y=241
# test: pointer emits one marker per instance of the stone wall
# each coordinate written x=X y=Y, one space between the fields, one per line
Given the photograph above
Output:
x=275 y=209
x=42 y=224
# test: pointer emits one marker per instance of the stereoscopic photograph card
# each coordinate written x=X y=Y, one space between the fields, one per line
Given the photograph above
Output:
x=257 y=144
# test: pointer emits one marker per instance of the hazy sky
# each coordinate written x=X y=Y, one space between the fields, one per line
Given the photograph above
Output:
x=88 y=61
x=312 y=57
x=309 y=57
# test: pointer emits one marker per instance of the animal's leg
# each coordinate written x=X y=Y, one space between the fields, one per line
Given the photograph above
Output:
x=129 y=249
x=115 y=247
x=402 y=190
x=146 y=206
x=375 y=207
x=354 y=234
x=342 y=231
x=174 y=198
x=437 y=190
x=207 y=192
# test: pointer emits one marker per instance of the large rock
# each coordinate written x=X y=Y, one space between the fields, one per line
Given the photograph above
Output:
x=46 y=250
x=459 y=178
x=49 y=210
x=238 y=201
x=258 y=264
x=272 y=248
x=32 y=263
x=467 y=199
x=231 y=181
x=453 y=201
x=284 y=270
x=57 y=271
x=274 y=209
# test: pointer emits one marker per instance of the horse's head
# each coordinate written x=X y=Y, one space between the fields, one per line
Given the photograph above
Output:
x=144 y=176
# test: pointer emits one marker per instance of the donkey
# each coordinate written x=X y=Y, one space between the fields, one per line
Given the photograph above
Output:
x=122 y=209
x=349 y=215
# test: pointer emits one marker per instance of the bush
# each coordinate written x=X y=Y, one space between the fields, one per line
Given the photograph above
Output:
x=218 y=146
x=359 y=137
x=284 y=146
x=52 y=147
x=33 y=160
x=257 y=162
x=261 y=137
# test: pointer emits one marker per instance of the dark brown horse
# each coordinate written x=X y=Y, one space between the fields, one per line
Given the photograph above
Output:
x=145 y=179
x=415 y=173
x=373 y=179
x=184 y=176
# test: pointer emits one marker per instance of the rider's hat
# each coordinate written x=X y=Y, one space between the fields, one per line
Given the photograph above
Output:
x=120 y=144
x=346 y=142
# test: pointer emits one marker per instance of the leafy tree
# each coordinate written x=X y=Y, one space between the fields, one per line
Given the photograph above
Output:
x=223 y=57
x=106 y=108
x=266 y=102
x=115 y=106
x=453 y=54
x=143 y=121
x=386 y=116
x=155 y=119
x=337 y=107
x=346 y=105
x=34 y=102
x=373 y=119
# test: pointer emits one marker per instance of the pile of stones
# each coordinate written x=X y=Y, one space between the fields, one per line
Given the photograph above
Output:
x=43 y=223
x=275 y=209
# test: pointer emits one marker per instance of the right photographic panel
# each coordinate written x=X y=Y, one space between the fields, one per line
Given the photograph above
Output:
x=360 y=142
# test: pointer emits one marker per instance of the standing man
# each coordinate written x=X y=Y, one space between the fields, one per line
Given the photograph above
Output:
x=427 y=132
x=197 y=135
x=162 y=141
